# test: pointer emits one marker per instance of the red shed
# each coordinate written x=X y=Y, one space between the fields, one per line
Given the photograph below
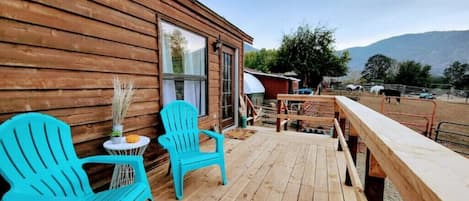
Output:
x=274 y=84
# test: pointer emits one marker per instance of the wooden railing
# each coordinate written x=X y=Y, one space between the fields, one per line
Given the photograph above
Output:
x=419 y=168
x=253 y=113
x=283 y=114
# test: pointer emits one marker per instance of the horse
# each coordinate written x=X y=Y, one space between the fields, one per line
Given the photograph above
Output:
x=391 y=92
x=353 y=87
x=375 y=89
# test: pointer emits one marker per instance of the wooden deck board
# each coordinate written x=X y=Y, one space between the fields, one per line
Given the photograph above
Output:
x=266 y=166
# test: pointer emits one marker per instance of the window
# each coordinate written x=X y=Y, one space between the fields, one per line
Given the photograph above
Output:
x=184 y=66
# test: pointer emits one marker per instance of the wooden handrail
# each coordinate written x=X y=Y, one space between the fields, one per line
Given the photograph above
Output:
x=419 y=168
x=292 y=97
x=356 y=183
x=250 y=105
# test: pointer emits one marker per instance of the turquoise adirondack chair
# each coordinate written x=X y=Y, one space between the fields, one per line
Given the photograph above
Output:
x=182 y=142
x=39 y=162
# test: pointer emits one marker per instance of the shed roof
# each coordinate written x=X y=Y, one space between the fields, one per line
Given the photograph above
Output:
x=252 y=84
x=255 y=72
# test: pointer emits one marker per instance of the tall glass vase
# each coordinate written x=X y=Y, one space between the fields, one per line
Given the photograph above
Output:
x=119 y=128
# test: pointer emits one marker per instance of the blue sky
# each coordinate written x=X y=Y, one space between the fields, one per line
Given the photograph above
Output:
x=356 y=22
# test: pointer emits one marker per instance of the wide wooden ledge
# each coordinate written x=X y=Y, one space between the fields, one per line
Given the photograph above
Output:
x=420 y=168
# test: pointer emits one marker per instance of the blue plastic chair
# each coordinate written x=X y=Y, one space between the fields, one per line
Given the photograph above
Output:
x=39 y=162
x=182 y=142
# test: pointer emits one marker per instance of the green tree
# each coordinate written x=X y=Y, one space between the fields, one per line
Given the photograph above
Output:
x=262 y=60
x=310 y=53
x=413 y=73
x=457 y=74
x=377 y=68
x=178 y=45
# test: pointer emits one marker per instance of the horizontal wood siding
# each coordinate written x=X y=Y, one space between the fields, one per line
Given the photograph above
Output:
x=60 y=57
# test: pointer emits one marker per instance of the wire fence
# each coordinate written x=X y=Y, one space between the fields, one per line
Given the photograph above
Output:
x=443 y=94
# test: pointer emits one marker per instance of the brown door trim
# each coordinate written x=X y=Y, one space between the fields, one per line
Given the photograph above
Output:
x=227 y=121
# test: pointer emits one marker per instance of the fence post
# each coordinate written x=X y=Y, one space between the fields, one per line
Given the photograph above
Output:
x=285 y=127
x=279 y=102
x=352 y=144
x=336 y=116
x=342 y=121
x=374 y=178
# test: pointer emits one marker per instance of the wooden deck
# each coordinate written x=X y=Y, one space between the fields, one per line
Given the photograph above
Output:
x=266 y=166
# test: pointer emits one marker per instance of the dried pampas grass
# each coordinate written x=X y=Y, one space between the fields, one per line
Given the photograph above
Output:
x=121 y=100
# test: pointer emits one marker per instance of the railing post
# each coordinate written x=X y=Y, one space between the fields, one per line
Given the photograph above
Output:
x=374 y=178
x=279 y=102
x=342 y=127
x=285 y=127
x=352 y=144
x=336 y=116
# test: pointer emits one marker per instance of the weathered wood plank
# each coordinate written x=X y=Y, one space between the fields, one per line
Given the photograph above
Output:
x=352 y=170
x=89 y=132
x=274 y=184
x=320 y=120
x=316 y=99
x=42 y=15
x=333 y=178
x=320 y=187
x=28 y=34
x=23 y=78
x=98 y=12
x=349 y=191
x=307 y=183
x=241 y=163
x=251 y=188
x=131 y=9
x=89 y=115
x=297 y=174
x=26 y=101
x=243 y=181
x=38 y=57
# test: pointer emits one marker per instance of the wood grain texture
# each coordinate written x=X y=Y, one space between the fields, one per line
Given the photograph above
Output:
x=352 y=170
x=130 y=8
x=101 y=13
x=33 y=100
x=60 y=57
x=23 y=78
x=317 y=120
x=266 y=166
x=28 y=34
x=38 y=57
x=46 y=16
x=418 y=167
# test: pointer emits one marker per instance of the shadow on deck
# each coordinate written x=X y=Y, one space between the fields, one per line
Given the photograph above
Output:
x=266 y=166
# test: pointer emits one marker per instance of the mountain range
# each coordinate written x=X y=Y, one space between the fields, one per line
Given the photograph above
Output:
x=437 y=48
x=249 y=48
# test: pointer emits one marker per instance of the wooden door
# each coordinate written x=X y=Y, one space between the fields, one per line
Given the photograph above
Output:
x=227 y=85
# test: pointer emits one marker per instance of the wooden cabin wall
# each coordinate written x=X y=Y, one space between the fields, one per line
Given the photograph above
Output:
x=60 y=57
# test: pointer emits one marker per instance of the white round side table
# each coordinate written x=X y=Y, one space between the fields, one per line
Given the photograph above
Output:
x=124 y=174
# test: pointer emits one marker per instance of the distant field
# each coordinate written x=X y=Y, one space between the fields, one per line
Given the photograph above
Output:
x=445 y=111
